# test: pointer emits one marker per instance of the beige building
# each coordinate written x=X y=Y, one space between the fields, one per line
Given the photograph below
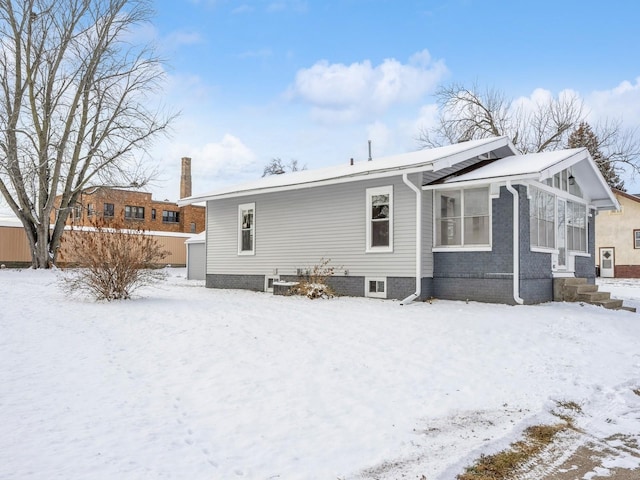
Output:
x=618 y=238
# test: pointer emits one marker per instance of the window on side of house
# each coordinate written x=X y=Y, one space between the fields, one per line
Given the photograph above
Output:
x=462 y=218
x=108 y=210
x=169 y=216
x=379 y=230
x=542 y=219
x=133 y=212
x=246 y=229
x=636 y=239
x=576 y=227
x=375 y=287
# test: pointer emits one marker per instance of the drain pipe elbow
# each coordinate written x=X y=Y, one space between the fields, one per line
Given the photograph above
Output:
x=418 y=192
x=516 y=243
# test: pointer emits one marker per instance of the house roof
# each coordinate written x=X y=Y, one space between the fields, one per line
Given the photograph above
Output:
x=419 y=161
x=541 y=166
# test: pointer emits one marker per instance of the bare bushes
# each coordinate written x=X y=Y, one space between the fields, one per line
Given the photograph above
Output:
x=110 y=261
x=313 y=283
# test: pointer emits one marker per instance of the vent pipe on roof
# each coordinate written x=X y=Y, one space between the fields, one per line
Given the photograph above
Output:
x=351 y=162
x=369 y=150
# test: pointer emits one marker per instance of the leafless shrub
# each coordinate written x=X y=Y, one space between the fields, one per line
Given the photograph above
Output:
x=313 y=283
x=110 y=261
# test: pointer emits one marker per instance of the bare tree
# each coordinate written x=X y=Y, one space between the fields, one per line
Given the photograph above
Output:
x=472 y=113
x=75 y=107
x=277 y=167
x=546 y=124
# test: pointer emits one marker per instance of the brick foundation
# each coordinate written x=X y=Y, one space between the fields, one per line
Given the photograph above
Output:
x=627 y=271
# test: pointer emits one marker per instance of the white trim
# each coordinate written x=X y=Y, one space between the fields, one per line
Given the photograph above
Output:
x=368 y=293
x=370 y=192
x=244 y=207
x=575 y=253
x=553 y=251
x=463 y=248
x=380 y=168
x=479 y=248
x=275 y=278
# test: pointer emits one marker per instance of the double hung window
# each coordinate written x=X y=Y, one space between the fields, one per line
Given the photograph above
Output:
x=246 y=229
x=380 y=219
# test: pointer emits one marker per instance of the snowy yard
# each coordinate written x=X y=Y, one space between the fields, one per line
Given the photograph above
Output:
x=192 y=383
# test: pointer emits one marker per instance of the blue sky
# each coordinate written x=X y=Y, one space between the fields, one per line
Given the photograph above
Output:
x=314 y=80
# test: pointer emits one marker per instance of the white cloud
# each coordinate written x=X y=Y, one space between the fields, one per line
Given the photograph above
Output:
x=621 y=103
x=343 y=93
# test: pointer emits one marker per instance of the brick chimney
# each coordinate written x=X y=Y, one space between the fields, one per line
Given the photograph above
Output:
x=185 y=178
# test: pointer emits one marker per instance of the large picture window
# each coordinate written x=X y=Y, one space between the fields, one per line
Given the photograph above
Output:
x=246 y=229
x=463 y=218
x=380 y=219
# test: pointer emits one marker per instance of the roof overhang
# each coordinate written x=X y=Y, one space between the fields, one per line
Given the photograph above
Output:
x=413 y=162
x=540 y=167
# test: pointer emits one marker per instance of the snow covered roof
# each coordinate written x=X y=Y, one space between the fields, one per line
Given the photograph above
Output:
x=544 y=165
x=199 y=238
x=419 y=161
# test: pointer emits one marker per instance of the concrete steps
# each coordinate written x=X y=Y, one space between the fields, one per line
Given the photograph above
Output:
x=578 y=290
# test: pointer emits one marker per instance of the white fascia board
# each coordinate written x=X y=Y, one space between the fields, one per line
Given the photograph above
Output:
x=298 y=186
x=480 y=181
x=565 y=163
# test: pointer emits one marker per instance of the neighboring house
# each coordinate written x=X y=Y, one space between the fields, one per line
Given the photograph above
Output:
x=474 y=220
x=138 y=208
x=618 y=239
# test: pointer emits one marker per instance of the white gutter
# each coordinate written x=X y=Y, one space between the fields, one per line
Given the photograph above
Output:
x=516 y=244
x=418 y=192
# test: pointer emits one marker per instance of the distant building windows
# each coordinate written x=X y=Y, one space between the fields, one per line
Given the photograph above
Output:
x=192 y=227
x=109 y=210
x=133 y=213
x=91 y=210
x=153 y=214
x=169 y=216
x=636 y=239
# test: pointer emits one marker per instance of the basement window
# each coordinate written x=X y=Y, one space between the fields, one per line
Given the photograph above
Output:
x=375 y=287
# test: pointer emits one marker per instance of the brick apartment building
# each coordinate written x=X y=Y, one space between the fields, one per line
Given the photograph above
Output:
x=139 y=209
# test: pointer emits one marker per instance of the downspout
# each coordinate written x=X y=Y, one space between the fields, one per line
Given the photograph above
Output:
x=516 y=244
x=413 y=296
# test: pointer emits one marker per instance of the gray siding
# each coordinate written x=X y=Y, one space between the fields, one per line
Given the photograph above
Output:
x=196 y=261
x=295 y=229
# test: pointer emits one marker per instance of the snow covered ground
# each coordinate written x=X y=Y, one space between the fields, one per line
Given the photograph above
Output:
x=192 y=383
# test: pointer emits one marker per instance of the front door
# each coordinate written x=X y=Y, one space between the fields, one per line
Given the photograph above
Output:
x=607 y=262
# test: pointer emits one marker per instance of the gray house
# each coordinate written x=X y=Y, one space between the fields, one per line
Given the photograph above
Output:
x=474 y=220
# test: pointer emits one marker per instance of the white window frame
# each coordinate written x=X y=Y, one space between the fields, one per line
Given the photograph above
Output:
x=567 y=197
x=463 y=247
x=371 y=192
x=376 y=294
x=244 y=207
x=273 y=278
